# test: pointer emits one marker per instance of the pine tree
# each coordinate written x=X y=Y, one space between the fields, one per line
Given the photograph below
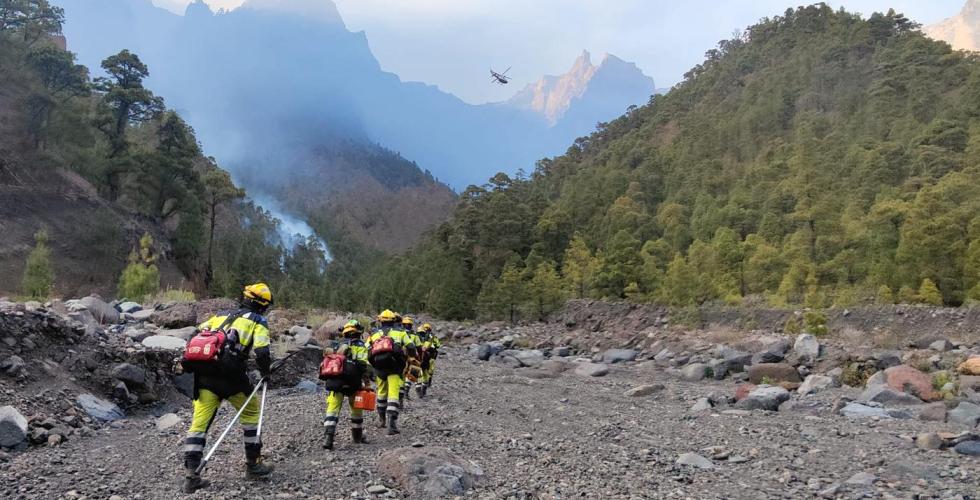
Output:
x=545 y=294
x=38 y=273
x=579 y=267
x=141 y=278
x=929 y=293
x=677 y=290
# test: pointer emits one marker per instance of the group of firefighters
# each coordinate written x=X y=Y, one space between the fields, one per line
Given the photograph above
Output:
x=395 y=356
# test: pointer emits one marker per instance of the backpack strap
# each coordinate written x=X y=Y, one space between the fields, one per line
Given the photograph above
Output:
x=231 y=319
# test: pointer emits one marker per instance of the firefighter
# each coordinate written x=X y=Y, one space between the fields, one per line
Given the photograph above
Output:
x=428 y=354
x=389 y=350
x=408 y=325
x=247 y=331
x=354 y=349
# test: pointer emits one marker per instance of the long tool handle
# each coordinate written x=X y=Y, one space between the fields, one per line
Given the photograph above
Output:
x=265 y=385
x=204 y=463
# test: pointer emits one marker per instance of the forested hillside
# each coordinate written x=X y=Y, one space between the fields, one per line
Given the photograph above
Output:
x=816 y=159
x=91 y=166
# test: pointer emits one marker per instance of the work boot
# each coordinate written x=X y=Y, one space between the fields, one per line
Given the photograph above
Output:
x=382 y=419
x=357 y=435
x=393 y=425
x=193 y=482
x=255 y=469
x=329 y=434
x=420 y=390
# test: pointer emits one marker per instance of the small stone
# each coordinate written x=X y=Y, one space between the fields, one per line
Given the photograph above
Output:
x=862 y=479
x=966 y=413
x=933 y=412
x=807 y=347
x=764 y=398
x=971 y=448
x=418 y=444
x=377 y=489
x=643 y=390
x=694 y=460
x=928 y=441
x=592 y=370
x=167 y=421
x=941 y=345
x=702 y=405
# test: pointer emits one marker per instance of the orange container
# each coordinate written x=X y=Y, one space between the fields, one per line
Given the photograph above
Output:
x=365 y=399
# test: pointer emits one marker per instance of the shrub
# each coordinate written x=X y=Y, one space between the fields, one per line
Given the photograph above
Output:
x=38 y=274
x=792 y=326
x=929 y=293
x=815 y=322
x=141 y=278
x=856 y=375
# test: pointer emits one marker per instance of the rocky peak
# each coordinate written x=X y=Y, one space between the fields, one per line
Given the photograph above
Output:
x=552 y=96
x=962 y=30
x=319 y=10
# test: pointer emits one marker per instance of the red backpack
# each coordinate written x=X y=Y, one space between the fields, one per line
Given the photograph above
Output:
x=332 y=366
x=203 y=352
x=383 y=345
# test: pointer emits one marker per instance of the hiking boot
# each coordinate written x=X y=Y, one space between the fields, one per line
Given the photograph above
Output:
x=255 y=469
x=382 y=419
x=393 y=425
x=193 y=482
x=328 y=443
x=358 y=436
x=420 y=390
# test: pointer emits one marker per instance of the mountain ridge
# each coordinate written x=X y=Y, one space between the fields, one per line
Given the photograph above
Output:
x=962 y=31
x=553 y=95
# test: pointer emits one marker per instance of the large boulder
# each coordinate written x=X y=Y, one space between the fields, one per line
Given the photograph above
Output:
x=966 y=414
x=884 y=395
x=773 y=373
x=102 y=311
x=430 y=472
x=694 y=372
x=764 y=398
x=815 y=383
x=129 y=307
x=483 y=352
x=301 y=334
x=619 y=355
x=737 y=360
x=807 y=347
x=592 y=369
x=970 y=366
x=911 y=381
x=142 y=315
x=164 y=342
x=530 y=358
x=179 y=315
x=13 y=427
x=181 y=333
x=858 y=410
x=132 y=375
x=99 y=409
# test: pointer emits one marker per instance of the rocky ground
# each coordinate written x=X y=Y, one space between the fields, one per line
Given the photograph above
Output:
x=557 y=422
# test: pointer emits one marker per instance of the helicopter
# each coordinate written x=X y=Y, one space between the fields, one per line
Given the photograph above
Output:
x=499 y=78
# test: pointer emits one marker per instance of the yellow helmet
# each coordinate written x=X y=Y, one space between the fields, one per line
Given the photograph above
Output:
x=387 y=316
x=408 y=321
x=353 y=326
x=258 y=293
x=426 y=327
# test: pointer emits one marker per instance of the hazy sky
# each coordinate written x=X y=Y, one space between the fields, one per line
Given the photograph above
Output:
x=453 y=43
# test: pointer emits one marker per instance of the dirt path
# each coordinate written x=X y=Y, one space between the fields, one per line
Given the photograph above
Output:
x=560 y=437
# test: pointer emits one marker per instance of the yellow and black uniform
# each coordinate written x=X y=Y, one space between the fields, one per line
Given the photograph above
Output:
x=428 y=352
x=408 y=324
x=356 y=351
x=389 y=368
x=248 y=331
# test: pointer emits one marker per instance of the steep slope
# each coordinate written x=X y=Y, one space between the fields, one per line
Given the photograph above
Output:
x=586 y=94
x=819 y=159
x=960 y=31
